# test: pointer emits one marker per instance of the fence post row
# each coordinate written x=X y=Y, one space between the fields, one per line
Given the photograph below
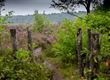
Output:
x=79 y=49
x=94 y=50
x=93 y=47
x=14 y=44
x=29 y=39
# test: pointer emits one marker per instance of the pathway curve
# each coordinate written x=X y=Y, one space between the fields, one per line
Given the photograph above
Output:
x=56 y=74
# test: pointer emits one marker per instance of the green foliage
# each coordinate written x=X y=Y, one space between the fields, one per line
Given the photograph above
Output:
x=22 y=54
x=19 y=69
x=3 y=19
x=1 y=28
x=66 y=40
x=34 y=45
x=100 y=22
x=66 y=44
x=40 y=21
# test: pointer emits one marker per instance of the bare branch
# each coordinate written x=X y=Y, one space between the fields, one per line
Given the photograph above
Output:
x=71 y=13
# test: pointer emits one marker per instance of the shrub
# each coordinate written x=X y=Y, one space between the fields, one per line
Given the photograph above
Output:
x=66 y=40
x=21 y=69
x=100 y=22
x=65 y=45
x=22 y=54
x=40 y=21
x=3 y=19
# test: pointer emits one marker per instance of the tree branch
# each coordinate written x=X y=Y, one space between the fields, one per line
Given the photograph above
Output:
x=71 y=13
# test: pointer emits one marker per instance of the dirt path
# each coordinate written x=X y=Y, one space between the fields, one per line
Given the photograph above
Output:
x=56 y=74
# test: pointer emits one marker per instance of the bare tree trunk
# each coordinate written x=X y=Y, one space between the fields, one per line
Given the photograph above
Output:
x=88 y=10
x=88 y=6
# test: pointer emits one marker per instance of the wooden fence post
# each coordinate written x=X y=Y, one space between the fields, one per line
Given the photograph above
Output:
x=0 y=43
x=13 y=37
x=89 y=50
x=89 y=44
x=89 y=39
x=95 y=50
x=29 y=39
x=79 y=49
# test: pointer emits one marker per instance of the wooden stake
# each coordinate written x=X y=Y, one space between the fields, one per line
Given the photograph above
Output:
x=14 y=44
x=79 y=49
x=95 y=50
x=29 y=39
x=89 y=39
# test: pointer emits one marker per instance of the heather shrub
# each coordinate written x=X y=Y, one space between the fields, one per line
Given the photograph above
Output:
x=22 y=68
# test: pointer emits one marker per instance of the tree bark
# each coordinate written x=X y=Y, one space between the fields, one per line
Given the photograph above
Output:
x=88 y=6
x=88 y=10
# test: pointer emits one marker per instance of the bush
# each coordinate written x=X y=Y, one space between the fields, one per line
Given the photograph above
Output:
x=3 y=19
x=65 y=46
x=40 y=21
x=100 y=22
x=21 y=69
x=22 y=54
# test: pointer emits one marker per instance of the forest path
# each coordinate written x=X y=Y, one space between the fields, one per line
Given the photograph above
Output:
x=56 y=74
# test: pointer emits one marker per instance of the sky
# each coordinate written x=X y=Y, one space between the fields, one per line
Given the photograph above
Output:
x=25 y=7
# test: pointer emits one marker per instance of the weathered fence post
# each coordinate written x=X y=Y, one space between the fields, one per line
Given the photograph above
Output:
x=29 y=39
x=79 y=49
x=89 y=44
x=89 y=39
x=0 y=43
x=89 y=61
x=89 y=50
x=13 y=37
x=95 y=50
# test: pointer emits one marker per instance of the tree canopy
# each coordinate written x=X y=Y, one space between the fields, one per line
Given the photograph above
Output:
x=2 y=3
x=69 y=5
x=106 y=4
